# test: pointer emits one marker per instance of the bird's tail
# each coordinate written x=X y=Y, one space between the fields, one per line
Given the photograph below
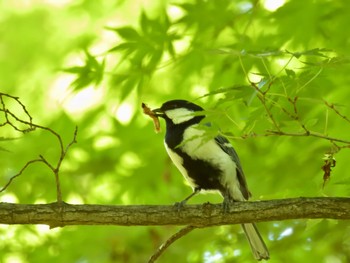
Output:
x=256 y=242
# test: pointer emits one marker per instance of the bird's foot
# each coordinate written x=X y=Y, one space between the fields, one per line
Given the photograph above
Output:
x=180 y=205
x=226 y=205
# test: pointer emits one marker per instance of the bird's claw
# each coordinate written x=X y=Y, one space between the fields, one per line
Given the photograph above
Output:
x=179 y=205
x=226 y=206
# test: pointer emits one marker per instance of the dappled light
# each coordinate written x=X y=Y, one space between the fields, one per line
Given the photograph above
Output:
x=272 y=76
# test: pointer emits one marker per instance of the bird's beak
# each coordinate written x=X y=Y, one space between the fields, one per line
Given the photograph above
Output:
x=158 y=112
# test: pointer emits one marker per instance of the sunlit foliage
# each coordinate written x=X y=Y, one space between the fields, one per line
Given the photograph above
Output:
x=273 y=75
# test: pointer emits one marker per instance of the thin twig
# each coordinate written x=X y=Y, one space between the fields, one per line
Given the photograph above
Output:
x=262 y=97
x=63 y=150
x=58 y=166
x=306 y=134
x=291 y=134
x=310 y=80
x=332 y=107
x=252 y=11
x=19 y=173
x=182 y=232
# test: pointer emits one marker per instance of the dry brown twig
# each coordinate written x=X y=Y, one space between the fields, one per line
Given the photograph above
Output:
x=263 y=97
x=182 y=232
x=12 y=120
x=268 y=103
x=333 y=108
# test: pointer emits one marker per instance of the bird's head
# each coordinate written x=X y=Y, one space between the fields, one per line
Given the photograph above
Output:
x=178 y=111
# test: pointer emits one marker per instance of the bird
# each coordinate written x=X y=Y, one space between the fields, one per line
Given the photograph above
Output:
x=206 y=164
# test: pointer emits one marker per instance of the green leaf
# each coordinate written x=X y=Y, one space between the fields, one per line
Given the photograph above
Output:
x=8 y=138
x=127 y=47
x=73 y=70
x=311 y=123
x=4 y=149
x=127 y=33
x=91 y=73
x=290 y=73
x=318 y=52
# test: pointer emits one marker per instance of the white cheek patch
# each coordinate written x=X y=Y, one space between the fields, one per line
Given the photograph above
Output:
x=179 y=115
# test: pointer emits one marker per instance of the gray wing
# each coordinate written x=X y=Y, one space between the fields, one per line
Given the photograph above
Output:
x=226 y=146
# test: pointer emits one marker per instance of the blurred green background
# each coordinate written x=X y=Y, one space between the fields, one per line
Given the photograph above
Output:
x=91 y=64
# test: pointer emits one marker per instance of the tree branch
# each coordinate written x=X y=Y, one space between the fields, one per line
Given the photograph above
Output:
x=62 y=214
x=13 y=120
x=182 y=232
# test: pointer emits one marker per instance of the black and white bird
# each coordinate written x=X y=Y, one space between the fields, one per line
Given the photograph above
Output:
x=206 y=164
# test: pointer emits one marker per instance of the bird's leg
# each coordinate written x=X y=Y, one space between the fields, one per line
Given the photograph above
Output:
x=227 y=201
x=181 y=204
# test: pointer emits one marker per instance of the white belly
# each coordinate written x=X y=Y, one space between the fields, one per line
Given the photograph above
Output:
x=196 y=146
x=178 y=161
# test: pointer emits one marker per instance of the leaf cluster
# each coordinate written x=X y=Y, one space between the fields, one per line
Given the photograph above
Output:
x=274 y=82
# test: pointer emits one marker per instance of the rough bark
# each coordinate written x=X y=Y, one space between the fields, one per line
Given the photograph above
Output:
x=58 y=215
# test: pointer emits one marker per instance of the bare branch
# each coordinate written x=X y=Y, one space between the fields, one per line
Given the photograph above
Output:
x=10 y=116
x=19 y=173
x=305 y=134
x=182 y=232
x=62 y=214
x=263 y=99
x=332 y=107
